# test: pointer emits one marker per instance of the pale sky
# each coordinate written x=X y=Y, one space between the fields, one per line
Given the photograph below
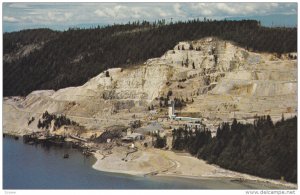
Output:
x=18 y=16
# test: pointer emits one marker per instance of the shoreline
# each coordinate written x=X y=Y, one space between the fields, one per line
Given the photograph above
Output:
x=212 y=173
x=168 y=164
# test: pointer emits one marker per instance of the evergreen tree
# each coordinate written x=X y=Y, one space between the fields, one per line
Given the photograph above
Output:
x=261 y=148
x=71 y=57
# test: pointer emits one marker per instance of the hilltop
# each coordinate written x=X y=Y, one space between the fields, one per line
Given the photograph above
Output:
x=212 y=79
x=44 y=59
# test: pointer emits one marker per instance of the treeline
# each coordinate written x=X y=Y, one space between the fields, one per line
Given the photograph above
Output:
x=190 y=140
x=72 y=57
x=262 y=149
x=160 y=141
x=58 y=121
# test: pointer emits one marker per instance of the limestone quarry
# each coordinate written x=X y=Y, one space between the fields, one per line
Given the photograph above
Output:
x=217 y=79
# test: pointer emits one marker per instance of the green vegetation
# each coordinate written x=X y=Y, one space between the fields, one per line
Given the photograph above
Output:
x=178 y=103
x=15 y=40
x=58 y=121
x=189 y=140
x=107 y=74
x=151 y=107
x=261 y=149
x=72 y=57
x=31 y=120
x=160 y=142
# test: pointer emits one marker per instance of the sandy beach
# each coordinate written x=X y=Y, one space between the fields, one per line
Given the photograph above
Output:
x=163 y=163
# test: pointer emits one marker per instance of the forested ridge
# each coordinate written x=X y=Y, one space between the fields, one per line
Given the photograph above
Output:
x=263 y=149
x=71 y=57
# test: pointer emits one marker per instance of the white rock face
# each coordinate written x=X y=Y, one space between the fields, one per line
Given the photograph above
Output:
x=224 y=81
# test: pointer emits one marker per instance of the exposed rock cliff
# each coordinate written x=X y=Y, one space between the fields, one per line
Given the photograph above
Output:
x=222 y=80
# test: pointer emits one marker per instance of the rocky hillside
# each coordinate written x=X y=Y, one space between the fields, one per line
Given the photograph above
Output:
x=216 y=79
x=44 y=59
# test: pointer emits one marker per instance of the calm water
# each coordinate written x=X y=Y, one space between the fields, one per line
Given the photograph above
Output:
x=36 y=167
